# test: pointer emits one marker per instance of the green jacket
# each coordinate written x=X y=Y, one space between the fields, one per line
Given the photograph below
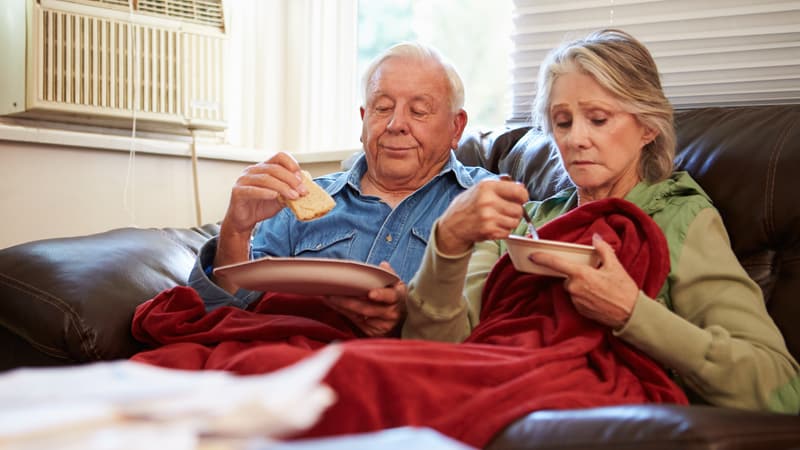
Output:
x=709 y=324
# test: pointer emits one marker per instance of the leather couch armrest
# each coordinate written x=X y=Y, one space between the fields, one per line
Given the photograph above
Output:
x=72 y=299
x=651 y=427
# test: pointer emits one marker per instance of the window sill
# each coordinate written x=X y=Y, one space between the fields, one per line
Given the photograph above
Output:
x=181 y=146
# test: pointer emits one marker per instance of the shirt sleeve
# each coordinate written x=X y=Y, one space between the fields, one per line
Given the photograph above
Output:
x=444 y=297
x=720 y=339
x=214 y=296
x=270 y=237
x=273 y=237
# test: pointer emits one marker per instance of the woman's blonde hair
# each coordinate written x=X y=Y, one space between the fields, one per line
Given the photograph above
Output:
x=623 y=66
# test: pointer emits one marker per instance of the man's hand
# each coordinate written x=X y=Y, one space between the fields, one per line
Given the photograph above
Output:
x=379 y=313
x=606 y=294
x=488 y=210
x=255 y=196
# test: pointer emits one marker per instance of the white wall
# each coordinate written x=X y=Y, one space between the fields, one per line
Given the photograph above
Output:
x=53 y=191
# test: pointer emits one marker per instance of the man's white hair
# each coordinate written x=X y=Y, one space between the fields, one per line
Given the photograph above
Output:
x=421 y=52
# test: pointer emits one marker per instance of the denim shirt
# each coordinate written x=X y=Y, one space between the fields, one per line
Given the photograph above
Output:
x=360 y=228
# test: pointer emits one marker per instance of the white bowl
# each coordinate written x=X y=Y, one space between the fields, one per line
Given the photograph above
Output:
x=519 y=248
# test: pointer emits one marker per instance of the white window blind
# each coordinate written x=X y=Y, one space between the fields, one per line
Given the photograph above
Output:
x=709 y=52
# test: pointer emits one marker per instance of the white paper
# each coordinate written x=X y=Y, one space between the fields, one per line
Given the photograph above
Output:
x=105 y=401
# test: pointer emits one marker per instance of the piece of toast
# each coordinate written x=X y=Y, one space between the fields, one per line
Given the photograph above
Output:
x=313 y=205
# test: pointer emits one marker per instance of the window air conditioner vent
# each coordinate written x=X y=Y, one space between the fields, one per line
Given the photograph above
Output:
x=206 y=12
x=105 y=64
x=203 y=12
x=119 y=4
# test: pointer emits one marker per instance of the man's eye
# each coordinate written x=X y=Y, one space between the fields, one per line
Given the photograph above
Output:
x=382 y=109
x=419 y=112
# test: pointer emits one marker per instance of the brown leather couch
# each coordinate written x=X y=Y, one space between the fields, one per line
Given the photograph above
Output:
x=70 y=300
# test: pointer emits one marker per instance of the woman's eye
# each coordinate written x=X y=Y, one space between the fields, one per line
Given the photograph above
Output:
x=599 y=121
x=564 y=124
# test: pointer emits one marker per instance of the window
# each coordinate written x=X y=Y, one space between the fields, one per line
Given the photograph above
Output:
x=295 y=65
x=473 y=34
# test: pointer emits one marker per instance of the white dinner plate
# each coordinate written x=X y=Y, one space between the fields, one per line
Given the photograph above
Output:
x=307 y=276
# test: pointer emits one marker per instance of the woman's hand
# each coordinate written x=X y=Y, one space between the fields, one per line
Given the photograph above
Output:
x=377 y=315
x=488 y=210
x=606 y=294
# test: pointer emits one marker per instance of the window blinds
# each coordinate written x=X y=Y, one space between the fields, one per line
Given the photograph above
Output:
x=709 y=52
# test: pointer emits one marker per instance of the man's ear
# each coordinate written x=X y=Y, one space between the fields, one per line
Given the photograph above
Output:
x=361 y=110
x=459 y=124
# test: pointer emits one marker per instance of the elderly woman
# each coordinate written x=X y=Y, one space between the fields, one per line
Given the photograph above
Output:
x=600 y=101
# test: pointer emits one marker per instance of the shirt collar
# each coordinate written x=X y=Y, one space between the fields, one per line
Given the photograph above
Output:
x=356 y=173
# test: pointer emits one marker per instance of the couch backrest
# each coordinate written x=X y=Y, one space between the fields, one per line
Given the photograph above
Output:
x=746 y=158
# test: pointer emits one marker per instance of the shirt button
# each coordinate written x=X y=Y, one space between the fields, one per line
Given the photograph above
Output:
x=388 y=238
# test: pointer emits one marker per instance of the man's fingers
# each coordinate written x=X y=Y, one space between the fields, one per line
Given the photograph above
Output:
x=364 y=307
x=387 y=266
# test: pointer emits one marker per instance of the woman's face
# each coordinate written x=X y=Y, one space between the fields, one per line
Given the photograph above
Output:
x=600 y=144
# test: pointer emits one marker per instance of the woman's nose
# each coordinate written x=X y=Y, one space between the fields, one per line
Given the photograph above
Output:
x=579 y=134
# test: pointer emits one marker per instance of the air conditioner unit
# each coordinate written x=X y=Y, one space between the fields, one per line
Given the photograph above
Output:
x=106 y=62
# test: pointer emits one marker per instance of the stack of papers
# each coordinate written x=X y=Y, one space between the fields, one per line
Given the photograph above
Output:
x=124 y=405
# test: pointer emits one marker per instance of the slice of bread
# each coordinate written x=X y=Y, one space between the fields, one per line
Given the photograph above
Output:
x=313 y=205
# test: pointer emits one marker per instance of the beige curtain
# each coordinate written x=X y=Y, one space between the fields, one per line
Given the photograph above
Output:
x=291 y=75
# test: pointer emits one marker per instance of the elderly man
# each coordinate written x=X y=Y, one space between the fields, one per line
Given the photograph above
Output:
x=413 y=116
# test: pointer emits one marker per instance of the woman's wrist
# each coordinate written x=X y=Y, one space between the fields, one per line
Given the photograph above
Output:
x=447 y=243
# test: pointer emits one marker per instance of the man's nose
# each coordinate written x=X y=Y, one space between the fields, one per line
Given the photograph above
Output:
x=398 y=122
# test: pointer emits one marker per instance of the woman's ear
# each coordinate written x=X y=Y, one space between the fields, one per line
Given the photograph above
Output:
x=650 y=134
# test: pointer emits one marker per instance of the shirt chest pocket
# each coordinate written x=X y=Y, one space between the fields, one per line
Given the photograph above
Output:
x=417 y=241
x=326 y=245
x=419 y=237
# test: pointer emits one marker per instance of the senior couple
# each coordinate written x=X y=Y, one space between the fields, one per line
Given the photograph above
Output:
x=409 y=205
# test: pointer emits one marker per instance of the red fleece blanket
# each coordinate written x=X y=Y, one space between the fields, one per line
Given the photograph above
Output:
x=531 y=351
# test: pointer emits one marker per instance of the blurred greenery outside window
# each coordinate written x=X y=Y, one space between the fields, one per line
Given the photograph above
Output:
x=475 y=35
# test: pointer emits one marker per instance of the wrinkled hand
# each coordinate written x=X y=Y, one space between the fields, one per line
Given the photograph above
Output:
x=256 y=194
x=378 y=314
x=606 y=294
x=488 y=210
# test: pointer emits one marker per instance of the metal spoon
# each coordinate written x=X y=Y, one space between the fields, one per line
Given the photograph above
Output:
x=532 y=233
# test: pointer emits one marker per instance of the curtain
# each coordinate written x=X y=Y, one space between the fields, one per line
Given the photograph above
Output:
x=291 y=81
x=709 y=52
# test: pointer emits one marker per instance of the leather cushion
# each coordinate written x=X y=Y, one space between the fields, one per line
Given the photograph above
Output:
x=73 y=298
x=652 y=427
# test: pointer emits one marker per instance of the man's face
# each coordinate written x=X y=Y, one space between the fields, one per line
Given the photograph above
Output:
x=408 y=123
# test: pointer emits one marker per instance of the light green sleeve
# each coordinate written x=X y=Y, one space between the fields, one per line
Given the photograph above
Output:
x=720 y=339
x=444 y=297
